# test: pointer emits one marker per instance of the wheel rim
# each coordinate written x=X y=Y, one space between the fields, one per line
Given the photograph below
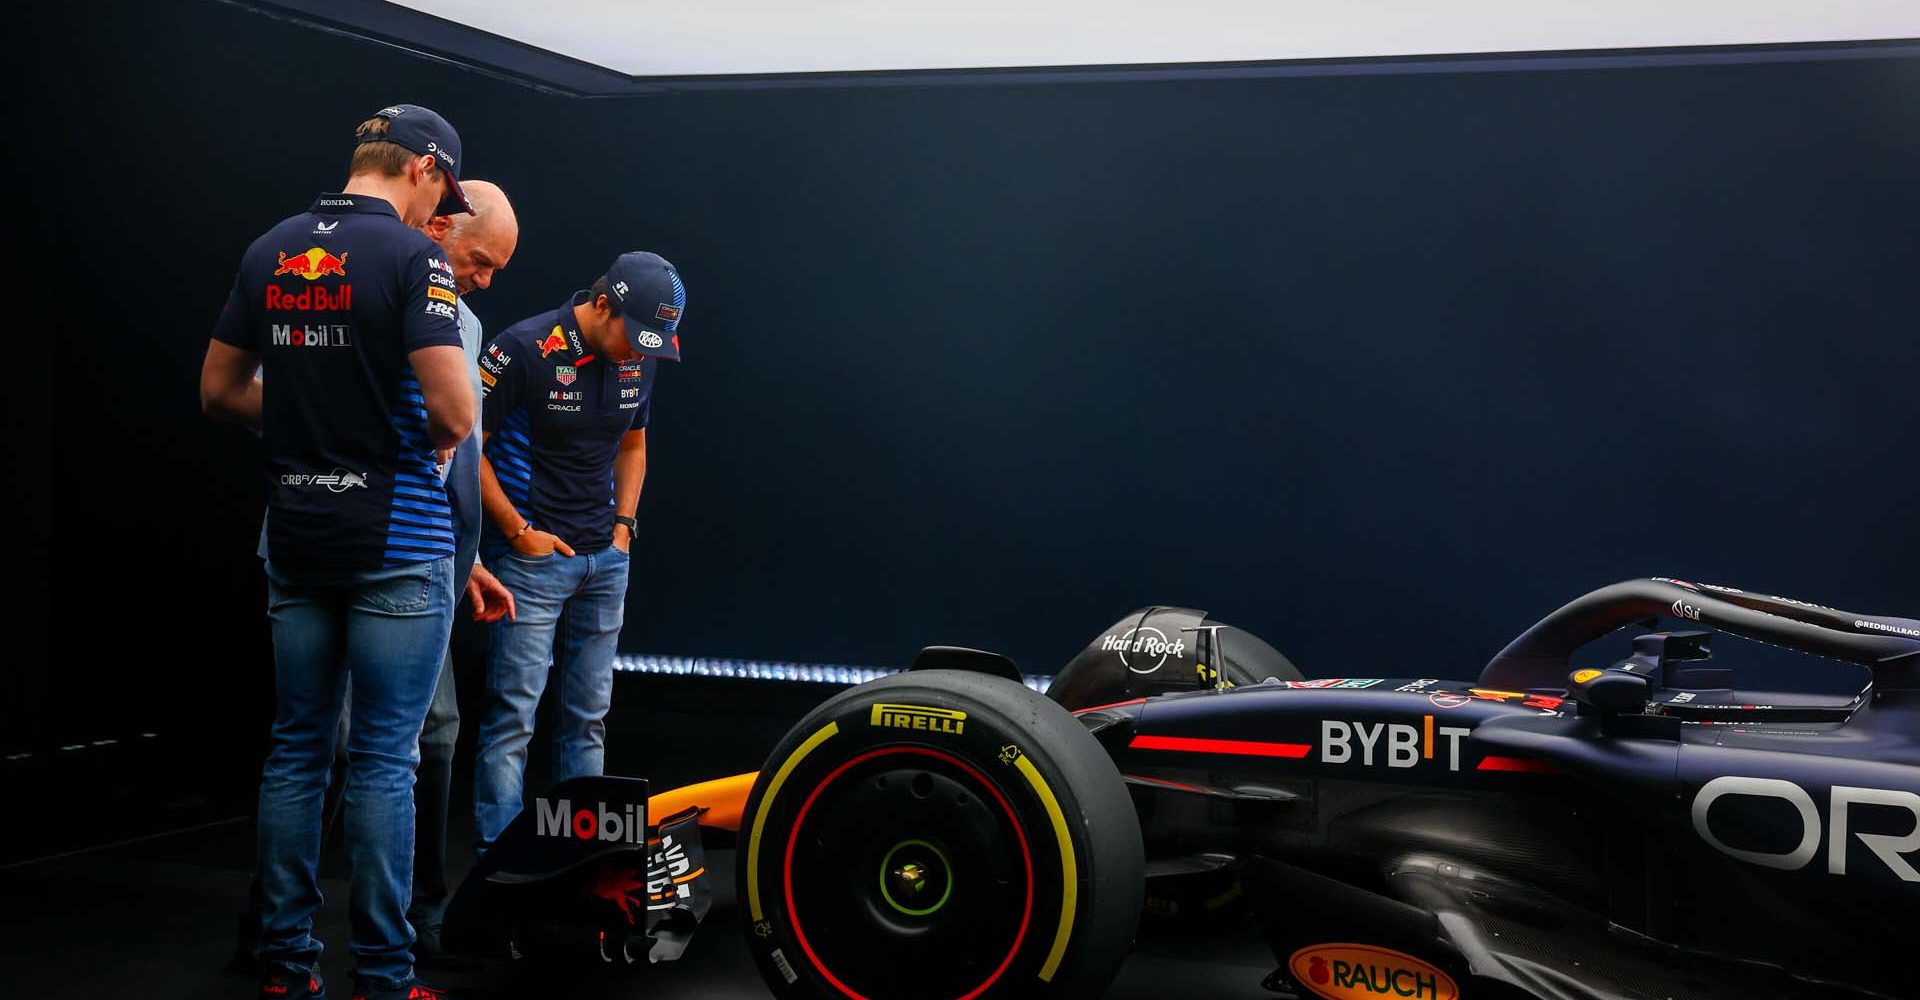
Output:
x=878 y=867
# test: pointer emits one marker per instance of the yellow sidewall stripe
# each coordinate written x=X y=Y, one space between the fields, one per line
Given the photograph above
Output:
x=766 y=802
x=1069 y=871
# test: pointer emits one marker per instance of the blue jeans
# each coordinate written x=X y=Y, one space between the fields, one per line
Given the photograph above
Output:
x=387 y=630
x=569 y=612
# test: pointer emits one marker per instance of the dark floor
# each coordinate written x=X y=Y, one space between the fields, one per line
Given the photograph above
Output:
x=154 y=918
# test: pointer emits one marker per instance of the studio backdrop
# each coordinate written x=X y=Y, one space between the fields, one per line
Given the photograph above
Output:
x=1380 y=367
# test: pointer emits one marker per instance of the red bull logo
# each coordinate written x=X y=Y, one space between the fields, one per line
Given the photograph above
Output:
x=315 y=298
x=556 y=341
x=312 y=263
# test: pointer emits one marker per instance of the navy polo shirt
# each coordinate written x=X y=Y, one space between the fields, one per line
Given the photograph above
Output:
x=554 y=414
x=333 y=300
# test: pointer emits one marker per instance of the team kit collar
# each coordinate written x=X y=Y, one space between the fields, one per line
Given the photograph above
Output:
x=338 y=203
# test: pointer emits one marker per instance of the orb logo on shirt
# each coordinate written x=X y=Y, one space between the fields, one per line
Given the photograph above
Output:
x=337 y=481
x=312 y=263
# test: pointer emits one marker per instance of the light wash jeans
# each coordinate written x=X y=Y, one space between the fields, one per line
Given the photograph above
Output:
x=569 y=610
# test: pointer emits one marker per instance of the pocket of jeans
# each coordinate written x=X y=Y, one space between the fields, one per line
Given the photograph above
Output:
x=516 y=554
x=405 y=590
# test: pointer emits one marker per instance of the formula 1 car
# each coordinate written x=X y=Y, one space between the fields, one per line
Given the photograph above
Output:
x=1648 y=829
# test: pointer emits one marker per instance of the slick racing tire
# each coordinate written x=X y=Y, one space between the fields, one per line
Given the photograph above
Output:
x=939 y=835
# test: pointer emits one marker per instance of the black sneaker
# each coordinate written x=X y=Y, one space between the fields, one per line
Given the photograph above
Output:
x=426 y=940
x=286 y=985
x=430 y=953
x=415 y=990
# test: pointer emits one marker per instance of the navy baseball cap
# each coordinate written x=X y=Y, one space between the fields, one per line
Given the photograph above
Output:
x=424 y=132
x=646 y=290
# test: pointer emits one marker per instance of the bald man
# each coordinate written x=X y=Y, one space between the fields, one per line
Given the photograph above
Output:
x=477 y=247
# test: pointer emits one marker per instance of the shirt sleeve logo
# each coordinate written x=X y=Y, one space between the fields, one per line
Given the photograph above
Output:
x=312 y=263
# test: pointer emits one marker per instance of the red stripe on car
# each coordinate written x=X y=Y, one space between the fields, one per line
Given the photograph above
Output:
x=1236 y=748
x=1518 y=765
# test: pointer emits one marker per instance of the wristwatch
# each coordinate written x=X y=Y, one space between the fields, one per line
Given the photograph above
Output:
x=633 y=526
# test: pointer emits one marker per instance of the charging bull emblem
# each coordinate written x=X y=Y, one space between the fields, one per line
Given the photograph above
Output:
x=312 y=263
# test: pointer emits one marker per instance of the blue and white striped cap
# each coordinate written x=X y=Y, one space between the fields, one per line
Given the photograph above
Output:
x=647 y=291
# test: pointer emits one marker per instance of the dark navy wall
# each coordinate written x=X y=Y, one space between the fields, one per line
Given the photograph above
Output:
x=1381 y=368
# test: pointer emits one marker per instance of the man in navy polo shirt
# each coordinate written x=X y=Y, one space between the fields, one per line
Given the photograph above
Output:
x=476 y=245
x=568 y=395
x=341 y=311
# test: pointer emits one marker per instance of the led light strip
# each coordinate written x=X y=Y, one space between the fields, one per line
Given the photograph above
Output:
x=773 y=670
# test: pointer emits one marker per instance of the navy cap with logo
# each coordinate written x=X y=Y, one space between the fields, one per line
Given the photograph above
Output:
x=646 y=289
x=424 y=132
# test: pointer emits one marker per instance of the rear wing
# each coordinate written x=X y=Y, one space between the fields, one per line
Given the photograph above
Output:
x=1890 y=647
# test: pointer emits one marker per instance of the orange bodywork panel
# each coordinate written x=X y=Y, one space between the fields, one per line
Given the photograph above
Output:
x=724 y=799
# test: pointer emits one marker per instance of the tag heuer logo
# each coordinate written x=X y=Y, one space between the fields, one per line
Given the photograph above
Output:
x=566 y=374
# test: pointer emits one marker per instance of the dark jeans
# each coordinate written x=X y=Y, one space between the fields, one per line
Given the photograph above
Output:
x=432 y=794
x=387 y=631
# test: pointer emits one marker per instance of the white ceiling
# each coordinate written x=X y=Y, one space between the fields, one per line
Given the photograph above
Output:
x=705 y=37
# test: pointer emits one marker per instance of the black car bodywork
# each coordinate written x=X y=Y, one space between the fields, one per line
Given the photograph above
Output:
x=1645 y=829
